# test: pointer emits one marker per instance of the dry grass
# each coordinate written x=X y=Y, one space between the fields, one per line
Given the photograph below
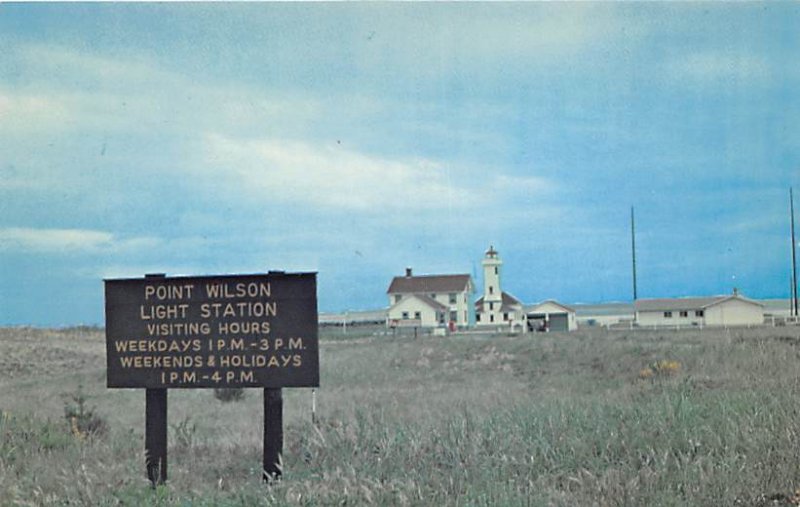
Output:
x=473 y=420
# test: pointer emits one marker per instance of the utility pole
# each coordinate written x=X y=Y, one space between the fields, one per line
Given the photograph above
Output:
x=794 y=255
x=633 y=253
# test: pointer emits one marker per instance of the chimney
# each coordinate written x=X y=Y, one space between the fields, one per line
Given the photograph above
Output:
x=408 y=272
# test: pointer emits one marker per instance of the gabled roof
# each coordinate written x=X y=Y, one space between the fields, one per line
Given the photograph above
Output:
x=429 y=284
x=508 y=302
x=508 y=299
x=551 y=302
x=427 y=300
x=676 y=304
x=722 y=299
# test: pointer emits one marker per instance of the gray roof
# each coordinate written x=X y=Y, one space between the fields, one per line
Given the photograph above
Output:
x=429 y=284
x=509 y=302
x=601 y=309
x=677 y=304
x=430 y=302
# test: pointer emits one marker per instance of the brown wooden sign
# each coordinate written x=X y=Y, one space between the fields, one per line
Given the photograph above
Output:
x=217 y=331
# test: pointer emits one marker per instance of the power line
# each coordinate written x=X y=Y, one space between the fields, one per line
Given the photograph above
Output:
x=794 y=256
x=633 y=253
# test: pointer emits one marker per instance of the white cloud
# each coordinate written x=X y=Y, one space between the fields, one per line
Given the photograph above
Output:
x=67 y=89
x=53 y=240
x=718 y=67
x=751 y=225
x=544 y=32
x=61 y=63
x=480 y=39
x=526 y=185
x=18 y=109
x=68 y=240
x=328 y=175
x=137 y=97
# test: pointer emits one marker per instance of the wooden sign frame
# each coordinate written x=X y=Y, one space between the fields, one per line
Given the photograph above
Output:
x=258 y=330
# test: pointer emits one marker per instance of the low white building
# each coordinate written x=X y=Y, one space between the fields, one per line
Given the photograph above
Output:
x=732 y=310
x=551 y=316
x=430 y=301
x=417 y=310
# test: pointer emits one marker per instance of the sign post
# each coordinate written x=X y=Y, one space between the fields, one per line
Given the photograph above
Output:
x=155 y=435
x=205 y=332
x=155 y=429
x=273 y=434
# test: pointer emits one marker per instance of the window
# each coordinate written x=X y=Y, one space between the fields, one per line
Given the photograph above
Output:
x=491 y=306
x=453 y=316
x=398 y=298
x=698 y=313
x=405 y=315
x=491 y=318
x=495 y=270
x=668 y=315
x=491 y=290
x=441 y=318
x=417 y=315
x=477 y=317
x=433 y=296
x=453 y=299
x=505 y=316
x=684 y=313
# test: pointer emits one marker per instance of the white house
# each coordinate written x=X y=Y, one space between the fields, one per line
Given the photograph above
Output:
x=497 y=309
x=430 y=300
x=551 y=316
x=732 y=310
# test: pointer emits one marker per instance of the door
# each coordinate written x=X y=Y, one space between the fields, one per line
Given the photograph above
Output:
x=559 y=322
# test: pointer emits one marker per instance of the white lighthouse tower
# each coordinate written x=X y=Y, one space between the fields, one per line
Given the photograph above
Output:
x=496 y=308
x=492 y=294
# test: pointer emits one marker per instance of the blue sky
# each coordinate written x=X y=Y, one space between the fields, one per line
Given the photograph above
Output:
x=357 y=139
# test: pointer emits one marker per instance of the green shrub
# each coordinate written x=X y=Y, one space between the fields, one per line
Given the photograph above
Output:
x=82 y=419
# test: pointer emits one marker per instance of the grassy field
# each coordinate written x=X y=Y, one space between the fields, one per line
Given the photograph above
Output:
x=590 y=418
